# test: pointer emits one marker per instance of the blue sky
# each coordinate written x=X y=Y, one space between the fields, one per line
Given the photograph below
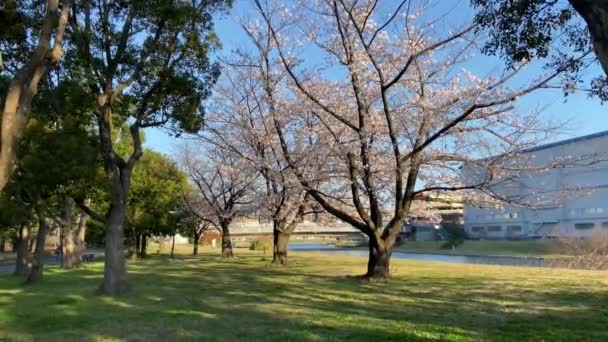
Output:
x=585 y=115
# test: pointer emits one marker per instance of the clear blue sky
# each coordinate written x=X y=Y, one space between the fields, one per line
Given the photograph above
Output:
x=586 y=115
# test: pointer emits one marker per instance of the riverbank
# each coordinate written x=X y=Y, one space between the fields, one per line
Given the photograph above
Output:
x=497 y=248
x=208 y=298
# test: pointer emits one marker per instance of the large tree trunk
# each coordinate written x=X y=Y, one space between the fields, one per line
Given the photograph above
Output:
x=595 y=14
x=280 y=245
x=23 y=243
x=380 y=250
x=118 y=176
x=68 y=249
x=378 y=264
x=115 y=270
x=35 y=275
x=81 y=232
x=226 y=241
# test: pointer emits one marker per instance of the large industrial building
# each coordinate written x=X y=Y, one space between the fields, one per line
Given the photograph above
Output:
x=581 y=191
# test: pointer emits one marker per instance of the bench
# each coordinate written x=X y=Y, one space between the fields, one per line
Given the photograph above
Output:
x=88 y=257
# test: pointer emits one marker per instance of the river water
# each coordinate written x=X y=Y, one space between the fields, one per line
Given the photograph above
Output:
x=460 y=259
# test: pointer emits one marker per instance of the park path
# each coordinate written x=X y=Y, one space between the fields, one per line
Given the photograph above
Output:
x=54 y=260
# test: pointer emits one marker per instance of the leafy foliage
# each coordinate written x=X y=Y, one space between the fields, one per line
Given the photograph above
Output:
x=155 y=195
x=552 y=30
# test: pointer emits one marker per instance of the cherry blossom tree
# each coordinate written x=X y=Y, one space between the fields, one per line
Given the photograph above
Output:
x=241 y=124
x=224 y=185
x=390 y=111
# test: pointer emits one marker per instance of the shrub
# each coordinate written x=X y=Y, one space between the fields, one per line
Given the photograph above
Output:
x=453 y=242
x=261 y=244
x=585 y=253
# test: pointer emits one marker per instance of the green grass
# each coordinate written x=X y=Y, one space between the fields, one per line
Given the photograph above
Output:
x=207 y=298
x=517 y=248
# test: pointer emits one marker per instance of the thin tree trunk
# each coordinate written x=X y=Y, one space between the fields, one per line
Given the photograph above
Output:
x=70 y=259
x=81 y=232
x=25 y=232
x=136 y=247
x=197 y=238
x=115 y=270
x=35 y=275
x=144 y=246
x=226 y=241
x=173 y=247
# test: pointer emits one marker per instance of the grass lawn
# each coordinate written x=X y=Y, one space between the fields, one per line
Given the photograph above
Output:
x=519 y=248
x=207 y=298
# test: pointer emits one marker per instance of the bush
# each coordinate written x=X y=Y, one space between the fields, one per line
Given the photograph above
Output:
x=453 y=242
x=261 y=244
x=589 y=253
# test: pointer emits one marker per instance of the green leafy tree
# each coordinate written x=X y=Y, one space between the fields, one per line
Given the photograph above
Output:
x=146 y=63
x=563 y=32
x=53 y=162
x=31 y=37
x=10 y=218
x=155 y=199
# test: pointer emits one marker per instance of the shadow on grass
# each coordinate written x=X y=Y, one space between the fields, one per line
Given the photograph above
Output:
x=245 y=298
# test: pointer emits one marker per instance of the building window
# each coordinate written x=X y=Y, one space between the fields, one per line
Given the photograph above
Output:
x=514 y=228
x=494 y=229
x=584 y=225
x=477 y=229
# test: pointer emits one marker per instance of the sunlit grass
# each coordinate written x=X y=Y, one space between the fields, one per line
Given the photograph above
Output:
x=207 y=298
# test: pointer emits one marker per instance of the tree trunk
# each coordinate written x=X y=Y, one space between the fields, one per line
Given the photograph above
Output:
x=21 y=264
x=118 y=176
x=226 y=242
x=35 y=275
x=595 y=14
x=81 y=233
x=197 y=238
x=115 y=270
x=68 y=249
x=280 y=245
x=143 y=252
x=173 y=247
x=136 y=247
x=24 y=86
x=379 y=259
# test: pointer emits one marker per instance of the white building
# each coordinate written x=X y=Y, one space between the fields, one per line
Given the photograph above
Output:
x=582 y=212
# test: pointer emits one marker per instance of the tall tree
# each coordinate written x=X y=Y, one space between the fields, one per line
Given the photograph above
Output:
x=52 y=159
x=155 y=198
x=240 y=123
x=28 y=72
x=396 y=116
x=224 y=184
x=145 y=62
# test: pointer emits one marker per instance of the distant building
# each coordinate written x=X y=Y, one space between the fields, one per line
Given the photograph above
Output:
x=579 y=213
